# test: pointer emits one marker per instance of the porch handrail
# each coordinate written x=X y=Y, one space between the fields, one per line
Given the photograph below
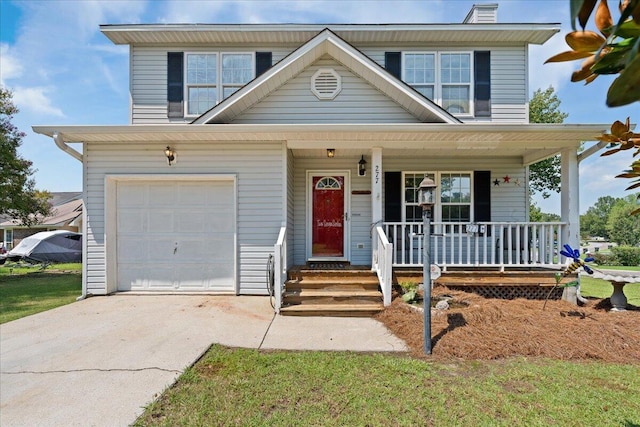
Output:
x=484 y=244
x=383 y=263
x=280 y=267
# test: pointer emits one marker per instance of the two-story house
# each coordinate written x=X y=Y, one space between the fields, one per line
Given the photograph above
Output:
x=308 y=142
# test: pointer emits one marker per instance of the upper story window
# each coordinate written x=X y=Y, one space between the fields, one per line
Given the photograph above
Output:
x=445 y=78
x=212 y=77
x=453 y=195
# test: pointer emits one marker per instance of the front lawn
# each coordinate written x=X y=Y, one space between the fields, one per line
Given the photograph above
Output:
x=26 y=290
x=257 y=388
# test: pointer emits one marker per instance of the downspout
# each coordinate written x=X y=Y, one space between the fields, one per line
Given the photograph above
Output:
x=57 y=138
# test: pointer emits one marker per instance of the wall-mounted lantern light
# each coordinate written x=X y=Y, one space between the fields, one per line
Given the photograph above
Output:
x=362 y=166
x=331 y=152
x=171 y=155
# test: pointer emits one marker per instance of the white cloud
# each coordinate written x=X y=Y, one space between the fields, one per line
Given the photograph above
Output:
x=35 y=100
x=10 y=67
x=309 y=11
x=557 y=74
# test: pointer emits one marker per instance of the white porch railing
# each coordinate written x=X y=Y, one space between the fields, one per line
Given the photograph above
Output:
x=487 y=244
x=382 y=263
x=280 y=267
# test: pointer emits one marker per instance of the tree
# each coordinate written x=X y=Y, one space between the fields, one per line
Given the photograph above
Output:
x=594 y=222
x=18 y=196
x=536 y=215
x=615 y=51
x=624 y=228
x=544 y=107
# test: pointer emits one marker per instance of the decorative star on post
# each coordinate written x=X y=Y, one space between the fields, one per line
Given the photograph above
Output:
x=496 y=182
x=506 y=178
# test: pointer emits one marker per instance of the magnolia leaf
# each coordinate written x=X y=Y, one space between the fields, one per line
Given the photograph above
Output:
x=584 y=41
x=618 y=128
x=570 y=55
x=603 y=18
x=589 y=79
x=584 y=11
x=610 y=152
x=636 y=212
x=631 y=187
x=625 y=89
x=575 y=6
x=605 y=137
x=612 y=61
x=628 y=29
x=627 y=175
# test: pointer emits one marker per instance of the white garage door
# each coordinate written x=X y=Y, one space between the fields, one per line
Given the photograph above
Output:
x=176 y=236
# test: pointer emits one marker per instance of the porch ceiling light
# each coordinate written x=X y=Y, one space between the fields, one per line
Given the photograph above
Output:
x=331 y=152
x=426 y=193
x=171 y=155
x=362 y=166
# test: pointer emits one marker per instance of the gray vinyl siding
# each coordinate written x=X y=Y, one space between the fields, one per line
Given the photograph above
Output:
x=508 y=78
x=149 y=77
x=149 y=87
x=358 y=102
x=508 y=200
x=509 y=85
x=259 y=169
x=360 y=208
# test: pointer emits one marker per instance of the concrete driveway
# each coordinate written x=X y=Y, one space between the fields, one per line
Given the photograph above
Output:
x=100 y=361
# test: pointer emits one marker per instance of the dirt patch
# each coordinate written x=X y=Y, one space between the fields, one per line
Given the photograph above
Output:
x=497 y=329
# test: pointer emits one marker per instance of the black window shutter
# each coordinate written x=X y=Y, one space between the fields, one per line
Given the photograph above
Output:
x=482 y=196
x=175 y=81
x=482 y=89
x=392 y=61
x=393 y=196
x=263 y=62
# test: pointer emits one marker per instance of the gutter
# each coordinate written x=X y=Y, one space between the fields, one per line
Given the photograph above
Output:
x=57 y=138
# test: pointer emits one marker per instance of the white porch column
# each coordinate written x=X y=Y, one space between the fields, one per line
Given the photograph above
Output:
x=570 y=207
x=376 y=194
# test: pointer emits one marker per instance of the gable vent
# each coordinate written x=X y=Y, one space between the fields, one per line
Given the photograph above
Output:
x=326 y=83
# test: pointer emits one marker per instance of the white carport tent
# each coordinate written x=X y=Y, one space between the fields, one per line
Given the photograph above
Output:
x=527 y=142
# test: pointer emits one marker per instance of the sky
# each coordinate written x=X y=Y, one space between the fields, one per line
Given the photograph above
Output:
x=63 y=71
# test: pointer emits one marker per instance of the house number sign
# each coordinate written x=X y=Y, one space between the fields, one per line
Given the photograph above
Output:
x=377 y=174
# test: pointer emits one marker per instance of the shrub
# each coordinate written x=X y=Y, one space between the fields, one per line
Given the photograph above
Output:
x=604 y=259
x=626 y=255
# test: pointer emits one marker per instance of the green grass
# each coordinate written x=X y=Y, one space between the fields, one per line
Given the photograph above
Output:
x=26 y=290
x=256 y=388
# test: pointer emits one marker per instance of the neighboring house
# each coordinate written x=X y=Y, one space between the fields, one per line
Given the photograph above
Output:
x=316 y=137
x=66 y=214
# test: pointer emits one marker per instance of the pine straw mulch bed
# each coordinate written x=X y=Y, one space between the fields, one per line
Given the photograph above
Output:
x=497 y=329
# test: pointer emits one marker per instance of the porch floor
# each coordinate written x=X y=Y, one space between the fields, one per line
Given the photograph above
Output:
x=529 y=283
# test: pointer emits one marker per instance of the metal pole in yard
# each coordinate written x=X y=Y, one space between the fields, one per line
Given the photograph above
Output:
x=426 y=198
x=426 y=277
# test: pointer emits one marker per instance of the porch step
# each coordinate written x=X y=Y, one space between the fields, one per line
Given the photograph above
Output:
x=343 y=310
x=324 y=292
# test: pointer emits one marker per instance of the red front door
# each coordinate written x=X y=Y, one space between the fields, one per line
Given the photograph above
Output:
x=327 y=223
